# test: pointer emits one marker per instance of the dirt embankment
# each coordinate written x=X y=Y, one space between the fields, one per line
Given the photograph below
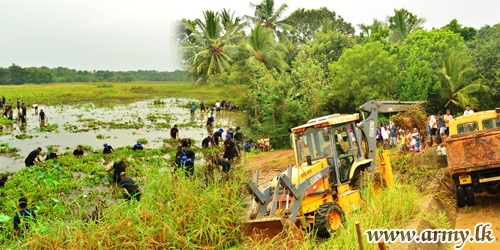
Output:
x=270 y=164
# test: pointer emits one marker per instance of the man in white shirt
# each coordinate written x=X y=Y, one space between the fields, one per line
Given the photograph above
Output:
x=386 y=134
x=468 y=111
x=433 y=126
x=217 y=107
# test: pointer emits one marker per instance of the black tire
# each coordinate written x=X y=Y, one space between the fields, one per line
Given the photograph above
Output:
x=322 y=219
x=469 y=195
x=460 y=196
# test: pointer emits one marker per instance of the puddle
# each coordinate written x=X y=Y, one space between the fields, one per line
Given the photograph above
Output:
x=171 y=112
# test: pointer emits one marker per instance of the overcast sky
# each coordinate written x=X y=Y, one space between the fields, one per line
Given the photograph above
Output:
x=132 y=35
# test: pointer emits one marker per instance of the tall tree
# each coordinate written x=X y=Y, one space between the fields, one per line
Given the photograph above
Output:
x=467 y=33
x=272 y=18
x=402 y=24
x=361 y=73
x=260 y=48
x=309 y=22
x=17 y=75
x=485 y=51
x=456 y=90
x=212 y=45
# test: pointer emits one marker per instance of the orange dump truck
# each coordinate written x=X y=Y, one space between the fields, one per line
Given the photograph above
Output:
x=473 y=154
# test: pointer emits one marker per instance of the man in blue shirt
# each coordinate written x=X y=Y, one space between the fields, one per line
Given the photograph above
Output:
x=192 y=108
x=24 y=218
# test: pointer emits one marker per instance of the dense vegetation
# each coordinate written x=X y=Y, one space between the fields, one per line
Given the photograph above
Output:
x=16 y=75
x=313 y=63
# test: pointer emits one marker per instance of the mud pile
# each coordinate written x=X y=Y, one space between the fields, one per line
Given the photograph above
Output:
x=413 y=117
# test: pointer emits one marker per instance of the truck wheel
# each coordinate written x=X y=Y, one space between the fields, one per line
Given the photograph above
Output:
x=469 y=194
x=328 y=219
x=460 y=196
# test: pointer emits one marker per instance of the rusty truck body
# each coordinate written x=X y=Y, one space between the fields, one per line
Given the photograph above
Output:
x=473 y=154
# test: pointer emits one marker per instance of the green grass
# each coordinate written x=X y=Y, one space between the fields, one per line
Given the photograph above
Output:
x=67 y=93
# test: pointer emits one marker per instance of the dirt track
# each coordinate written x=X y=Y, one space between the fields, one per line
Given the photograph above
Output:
x=270 y=164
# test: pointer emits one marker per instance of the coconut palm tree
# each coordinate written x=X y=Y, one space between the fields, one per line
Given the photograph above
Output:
x=402 y=24
x=272 y=19
x=213 y=45
x=261 y=48
x=455 y=89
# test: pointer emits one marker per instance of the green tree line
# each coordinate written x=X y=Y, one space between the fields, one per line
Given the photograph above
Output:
x=314 y=62
x=17 y=75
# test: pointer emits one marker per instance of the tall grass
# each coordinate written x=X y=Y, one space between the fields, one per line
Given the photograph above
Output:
x=175 y=212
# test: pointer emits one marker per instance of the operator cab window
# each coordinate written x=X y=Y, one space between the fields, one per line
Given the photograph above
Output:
x=315 y=142
x=467 y=127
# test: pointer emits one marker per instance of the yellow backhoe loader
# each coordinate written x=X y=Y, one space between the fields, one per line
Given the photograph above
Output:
x=333 y=157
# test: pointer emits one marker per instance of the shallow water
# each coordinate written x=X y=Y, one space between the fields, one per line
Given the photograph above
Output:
x=119 y=113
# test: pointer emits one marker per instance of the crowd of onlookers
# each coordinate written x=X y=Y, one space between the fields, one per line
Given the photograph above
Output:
x=388 y=135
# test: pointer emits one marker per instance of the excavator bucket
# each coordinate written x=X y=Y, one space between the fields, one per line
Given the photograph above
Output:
x=273 y=229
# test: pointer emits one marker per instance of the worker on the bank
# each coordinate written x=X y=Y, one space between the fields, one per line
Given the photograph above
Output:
x=18 y=104
x=118 y=168
x=51 y=155
x=235 y=108
x=186 y=143
x=216 y=136
x=206 y=142
x=174 y=132
x=127 y=183
x=226 y=165
x=223 y=104
x=190 y=154
x=21 y=118
x=178 y=156
x=137 y=146
x=10 y=114
x=210 y=121
x=78 y=151
x=42 y=115
x=202 y=106
x=187 y=165
x=107 y=149
x=193 y=107
x=230 y=131
x=3 y=181
x=24 y=219
x=229 y=148
x=32 y=157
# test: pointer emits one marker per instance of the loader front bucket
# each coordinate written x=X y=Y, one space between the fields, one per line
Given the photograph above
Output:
x=266 y=229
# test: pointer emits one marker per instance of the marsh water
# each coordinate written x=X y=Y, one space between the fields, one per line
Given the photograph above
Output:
x=77 y=125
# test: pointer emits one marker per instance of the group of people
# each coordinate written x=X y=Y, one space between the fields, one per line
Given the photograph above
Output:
x=8 y=110
x=217 y=107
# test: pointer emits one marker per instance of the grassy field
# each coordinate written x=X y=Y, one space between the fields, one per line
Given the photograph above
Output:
x=67 y=93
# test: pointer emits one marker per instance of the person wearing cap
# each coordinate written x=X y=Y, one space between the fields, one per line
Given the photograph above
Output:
x=212 y=109
x=216 y=136
x=51 y=155
x=202 y=106
x=186 y=142
x=468 y=111
x=118 y=168
x=206 y=142
x=190 y=154
x=187 y=165
x=23 y=219
x=32 y=157
x=78 y=151
x=3 y=181
x=178 y=156
x=137 y=146
x=174 y=132
x=210 y=121
x=229 y=148
x=42 y=115
x=107 y=149
x=127 y=183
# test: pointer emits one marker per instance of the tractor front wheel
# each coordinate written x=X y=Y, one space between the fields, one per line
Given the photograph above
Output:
x=328 y=219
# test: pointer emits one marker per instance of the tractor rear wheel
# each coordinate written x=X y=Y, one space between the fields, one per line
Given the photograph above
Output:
x=460 y=196
x=328 y=219
x=469 y=194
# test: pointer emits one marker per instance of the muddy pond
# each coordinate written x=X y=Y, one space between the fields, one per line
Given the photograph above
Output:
x=118 y=125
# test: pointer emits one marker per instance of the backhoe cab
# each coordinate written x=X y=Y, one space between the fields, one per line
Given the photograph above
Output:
x=330 y=169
